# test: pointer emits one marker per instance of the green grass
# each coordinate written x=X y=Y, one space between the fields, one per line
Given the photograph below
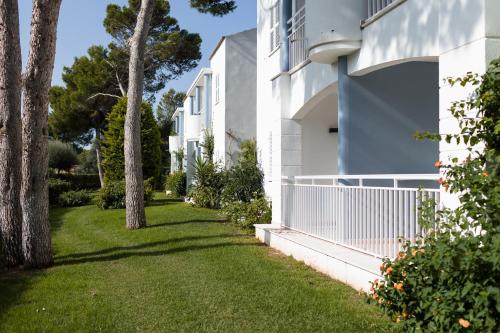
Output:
x=186 y=272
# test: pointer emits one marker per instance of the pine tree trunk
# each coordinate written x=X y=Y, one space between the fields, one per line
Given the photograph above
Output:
x=10 y=134
x=97 y=142
x=37 y=247
x=135 y=215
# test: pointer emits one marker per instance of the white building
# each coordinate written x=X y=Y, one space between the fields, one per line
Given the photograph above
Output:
x=222 y=99
x=342 y=87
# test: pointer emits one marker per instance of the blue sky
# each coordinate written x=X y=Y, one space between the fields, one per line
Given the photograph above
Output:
x=80 y=26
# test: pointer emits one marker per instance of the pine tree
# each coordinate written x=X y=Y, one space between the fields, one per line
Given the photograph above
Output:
x=113 y=153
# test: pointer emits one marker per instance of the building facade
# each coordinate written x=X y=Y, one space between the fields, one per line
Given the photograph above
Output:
x=342 y=88
x=222 y=101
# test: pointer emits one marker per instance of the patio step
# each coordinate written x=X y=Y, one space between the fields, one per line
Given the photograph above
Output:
x=349 y=266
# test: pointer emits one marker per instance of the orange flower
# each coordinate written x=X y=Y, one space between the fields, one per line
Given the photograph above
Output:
x=401 y=255
x=398 y=286
x=388 y=271
x=438 y=164
x=414 y=252
x=485 y=174
x=375 y=283
x=440 y=180
x=464 y=323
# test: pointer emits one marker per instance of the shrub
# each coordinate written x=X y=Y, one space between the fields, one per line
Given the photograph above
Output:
x=176 y=183
x=56 y=188
x=179 y=157
x=246 y=214
x=80 y=181
x=112 y=146
x=208 y=184
x=208 y=145
x=449 y=282
x=74 y=198
x=244 y=181
x=61 y=156
x=112 y=196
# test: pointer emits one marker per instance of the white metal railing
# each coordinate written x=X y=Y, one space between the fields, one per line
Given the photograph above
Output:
x=347 y=211
x=375 y=6
x=297 y=38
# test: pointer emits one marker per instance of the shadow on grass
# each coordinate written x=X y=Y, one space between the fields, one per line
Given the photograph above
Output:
x=167 y=224
x=13 y=284
x=143 y=246
x=128 y=254
x=163 y=202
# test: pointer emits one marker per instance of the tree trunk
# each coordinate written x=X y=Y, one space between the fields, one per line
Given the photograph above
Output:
x=34 y=192
x=10 y=134
x=97 y=142
x=135 y=215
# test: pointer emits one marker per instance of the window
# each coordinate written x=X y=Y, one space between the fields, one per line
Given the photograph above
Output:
x=217 y=88
x=275 y=26
x=297 y=5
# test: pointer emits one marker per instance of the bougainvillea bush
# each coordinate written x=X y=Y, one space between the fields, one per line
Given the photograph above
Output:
x=449 y=281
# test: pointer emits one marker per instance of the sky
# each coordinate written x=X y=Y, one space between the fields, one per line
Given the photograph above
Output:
x=80 y=26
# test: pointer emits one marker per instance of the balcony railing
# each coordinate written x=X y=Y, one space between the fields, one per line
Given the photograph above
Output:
x=297 y=38
x=344 y=210
x=375 y=6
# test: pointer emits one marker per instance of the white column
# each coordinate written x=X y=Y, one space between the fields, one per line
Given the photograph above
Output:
x=469 y=40
x=286 y=143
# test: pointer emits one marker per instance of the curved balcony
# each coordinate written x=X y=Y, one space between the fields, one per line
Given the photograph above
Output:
x=331 y=46
x=173 y=143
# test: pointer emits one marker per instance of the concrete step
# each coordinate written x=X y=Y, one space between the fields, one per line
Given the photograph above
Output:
x=347 y=265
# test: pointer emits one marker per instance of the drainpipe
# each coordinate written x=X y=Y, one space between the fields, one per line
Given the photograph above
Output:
x=285 y=16
x=343 y=117
x=207 y=99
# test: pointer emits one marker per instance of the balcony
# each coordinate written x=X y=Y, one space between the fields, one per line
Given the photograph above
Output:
x=330 y=46
x=367 y=214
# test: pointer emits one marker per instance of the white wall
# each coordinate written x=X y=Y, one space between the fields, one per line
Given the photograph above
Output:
x=319 y=147
x=240 y=91
x=218 y=65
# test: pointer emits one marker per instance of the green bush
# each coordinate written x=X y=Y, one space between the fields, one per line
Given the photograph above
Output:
x=206 y=190
x=450 y=281
x=112 y=147
x=244 y=181
x=62 y=157
x=80 y=181
x=56 y=188
x=246 y=214
x=176 y=184
x=75 y=198
x=112 y=196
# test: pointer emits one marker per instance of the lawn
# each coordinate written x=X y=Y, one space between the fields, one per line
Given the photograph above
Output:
x=187 y=272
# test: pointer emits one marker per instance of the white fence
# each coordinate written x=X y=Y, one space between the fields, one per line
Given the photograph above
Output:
x=343 y=210
x=375 y=6
x=297 y=38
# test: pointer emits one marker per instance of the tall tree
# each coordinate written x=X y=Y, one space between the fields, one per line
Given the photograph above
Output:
x=10 y=134
x=79 y=109
x=169 y=102
x=134 y=198
x=37 y=246
x=139 y=47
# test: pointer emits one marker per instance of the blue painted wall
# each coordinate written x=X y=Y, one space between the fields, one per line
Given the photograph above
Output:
x=384 y=110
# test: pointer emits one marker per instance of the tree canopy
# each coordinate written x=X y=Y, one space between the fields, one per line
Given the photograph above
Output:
x=85 y=100
x=170 y=50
